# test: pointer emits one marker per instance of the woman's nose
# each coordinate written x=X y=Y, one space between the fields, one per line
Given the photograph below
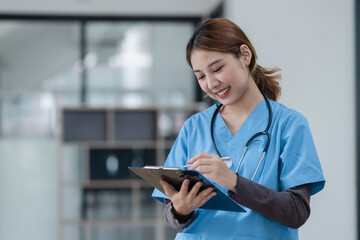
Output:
x=212 y=82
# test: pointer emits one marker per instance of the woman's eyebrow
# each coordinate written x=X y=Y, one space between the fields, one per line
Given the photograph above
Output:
x=212 y=63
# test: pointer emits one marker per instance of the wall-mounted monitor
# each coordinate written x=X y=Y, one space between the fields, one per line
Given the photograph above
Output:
x=79 y=126
x=135 y=125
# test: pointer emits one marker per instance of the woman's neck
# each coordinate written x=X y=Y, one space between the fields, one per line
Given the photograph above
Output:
x=247 y=103
x=236 y=114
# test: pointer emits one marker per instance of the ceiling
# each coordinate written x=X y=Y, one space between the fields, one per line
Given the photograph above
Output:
x=110 y=7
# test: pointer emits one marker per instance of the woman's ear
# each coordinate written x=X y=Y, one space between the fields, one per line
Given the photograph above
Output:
x=245 y=54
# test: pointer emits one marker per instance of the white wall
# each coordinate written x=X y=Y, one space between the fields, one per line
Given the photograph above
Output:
x=313 y=43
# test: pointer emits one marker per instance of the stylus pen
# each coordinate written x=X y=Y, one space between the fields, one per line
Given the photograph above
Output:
x=222 y=159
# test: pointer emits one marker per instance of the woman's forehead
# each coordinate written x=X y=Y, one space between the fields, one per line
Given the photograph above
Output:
x=201 y=59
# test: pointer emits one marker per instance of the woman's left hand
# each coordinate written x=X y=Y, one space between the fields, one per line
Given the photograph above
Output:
x=213 y=168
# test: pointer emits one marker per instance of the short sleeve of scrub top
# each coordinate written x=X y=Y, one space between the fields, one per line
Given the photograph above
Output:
x=299 y=162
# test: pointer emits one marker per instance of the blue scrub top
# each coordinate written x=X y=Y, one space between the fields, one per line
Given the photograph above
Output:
x=291 y=161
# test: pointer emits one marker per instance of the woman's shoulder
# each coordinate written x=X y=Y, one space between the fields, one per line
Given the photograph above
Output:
x=203 y=115
x=286 y=114
x=200 y=118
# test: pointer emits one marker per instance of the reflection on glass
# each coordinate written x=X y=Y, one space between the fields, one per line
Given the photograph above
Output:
x=72 y=203
x=73 y=164
x=147 y=203
x=112 y=165
x=135 y=100
x=139 y=64
x=135 y=58
x=170 y=233
x=73 y=232
x=108 y=204
x=38 y=74
x=171 y=121
x=126 y=158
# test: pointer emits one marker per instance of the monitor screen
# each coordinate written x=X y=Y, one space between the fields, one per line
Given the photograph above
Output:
x=135 y=125
x=84 y=126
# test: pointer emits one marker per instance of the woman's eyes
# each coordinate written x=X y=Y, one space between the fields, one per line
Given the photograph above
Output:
x=215 y=70
x=218 y=69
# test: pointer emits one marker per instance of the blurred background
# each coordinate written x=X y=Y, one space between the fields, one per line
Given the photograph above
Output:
x=89 y=87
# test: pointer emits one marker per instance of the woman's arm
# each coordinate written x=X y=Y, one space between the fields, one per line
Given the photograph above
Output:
x=290 y=207
x=186 y=201
x=174 y=220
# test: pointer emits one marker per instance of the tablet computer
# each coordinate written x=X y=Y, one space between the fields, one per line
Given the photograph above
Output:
x=175 y=176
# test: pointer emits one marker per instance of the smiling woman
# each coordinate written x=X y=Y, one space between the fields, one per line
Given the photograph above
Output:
x=276 y=190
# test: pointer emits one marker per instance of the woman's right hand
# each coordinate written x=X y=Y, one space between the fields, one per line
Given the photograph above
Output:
x=185 y=202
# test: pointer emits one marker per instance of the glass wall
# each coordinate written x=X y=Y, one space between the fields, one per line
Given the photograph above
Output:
x=37 y=75
x=137 y=64
x=128 y=64
x=38 y=72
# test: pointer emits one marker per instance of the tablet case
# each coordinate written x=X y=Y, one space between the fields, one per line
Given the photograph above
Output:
x=175 y=176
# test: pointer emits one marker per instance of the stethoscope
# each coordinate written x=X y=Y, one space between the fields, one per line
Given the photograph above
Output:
x=227 y=160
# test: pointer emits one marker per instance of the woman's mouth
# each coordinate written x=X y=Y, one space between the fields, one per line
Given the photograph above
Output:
x=223 y=93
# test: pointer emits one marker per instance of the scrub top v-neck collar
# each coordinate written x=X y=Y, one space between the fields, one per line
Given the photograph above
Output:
x=232 y=145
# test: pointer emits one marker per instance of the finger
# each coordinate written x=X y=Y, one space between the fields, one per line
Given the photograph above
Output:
x=169 y=191
x=197 y=156
x=207 y=198
x=200 y=162
x=204 y=170
x=195 y=190
x=205 y=154
x=184 y=187
x=205 y=195
x=206 y=192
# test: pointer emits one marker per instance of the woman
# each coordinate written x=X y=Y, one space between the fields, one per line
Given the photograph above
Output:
x=274 y=185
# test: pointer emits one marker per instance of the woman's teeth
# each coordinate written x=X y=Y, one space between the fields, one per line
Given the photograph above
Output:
x=223 y=91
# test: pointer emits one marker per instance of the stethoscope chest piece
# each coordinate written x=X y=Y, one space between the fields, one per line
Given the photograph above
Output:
x=227 y=161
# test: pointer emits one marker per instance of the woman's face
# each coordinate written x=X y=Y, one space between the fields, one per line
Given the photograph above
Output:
x=222 y=76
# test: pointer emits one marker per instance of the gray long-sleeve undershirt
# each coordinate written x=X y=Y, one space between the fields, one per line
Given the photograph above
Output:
x=290 y=207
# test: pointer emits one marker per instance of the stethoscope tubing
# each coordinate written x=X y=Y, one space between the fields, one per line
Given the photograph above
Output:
x=265 y=132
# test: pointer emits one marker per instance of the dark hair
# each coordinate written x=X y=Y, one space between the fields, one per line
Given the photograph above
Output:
x=222 y=35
